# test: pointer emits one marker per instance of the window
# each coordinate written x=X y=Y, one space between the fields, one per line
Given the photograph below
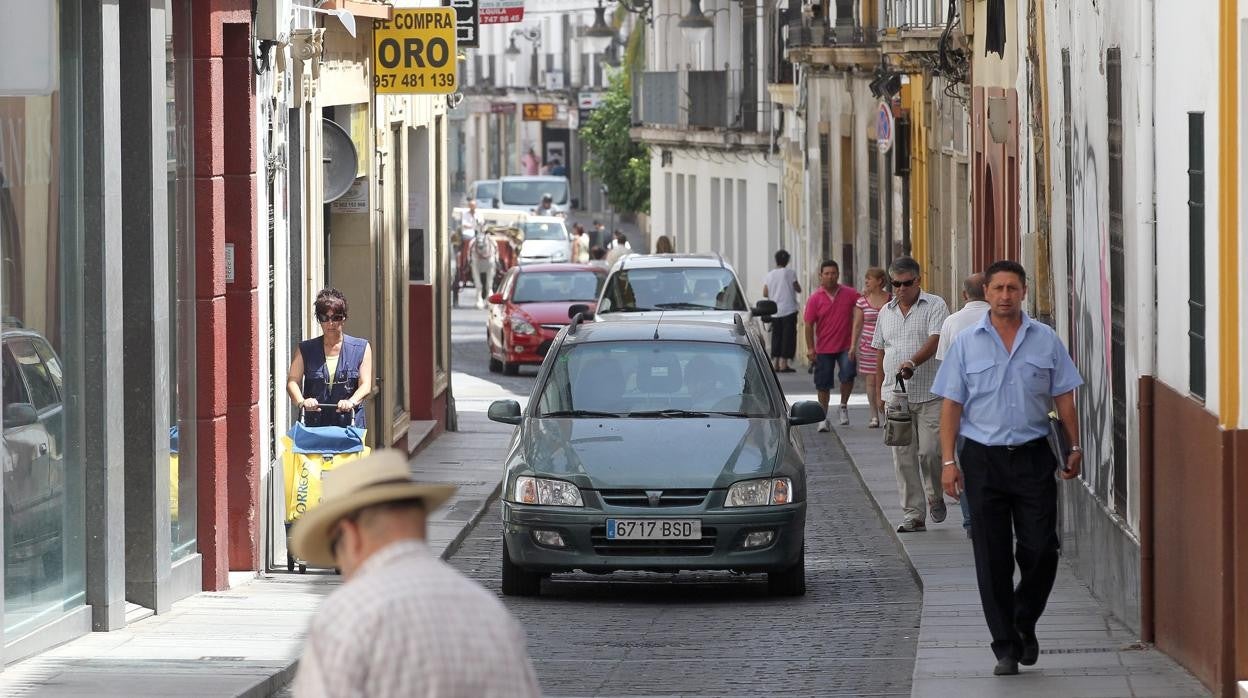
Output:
x=43 y=393
x=1117 y=280
x=717 y=235
x=625 y=378
x=873 y=202
x=698 y=288
x=552 y=287
x=1196 y=251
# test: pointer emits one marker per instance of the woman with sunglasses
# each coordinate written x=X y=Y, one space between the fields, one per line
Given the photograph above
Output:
x=333 y=369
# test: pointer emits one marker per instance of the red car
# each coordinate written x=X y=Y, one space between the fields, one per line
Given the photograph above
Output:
x=532 y=307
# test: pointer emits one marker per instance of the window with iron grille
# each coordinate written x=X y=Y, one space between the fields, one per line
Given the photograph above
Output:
x=1117 y=280
x=873 y=201
x=1196 y=250
x=825 y=195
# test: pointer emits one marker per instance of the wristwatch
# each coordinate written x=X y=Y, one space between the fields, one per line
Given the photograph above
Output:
x=1076 y=449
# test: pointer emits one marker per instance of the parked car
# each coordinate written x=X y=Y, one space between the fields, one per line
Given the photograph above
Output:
x=524 y=193
x=532 y=306
x=485 y=191
x=692 y=286
x=33 y=460
x=546 y=239
x=655 y=444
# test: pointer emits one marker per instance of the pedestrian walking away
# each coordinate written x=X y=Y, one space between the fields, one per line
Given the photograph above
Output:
x=866 y=311
x=333 y=369
x=405 y=623
x=781 y=285
x=906 y=334
x=829 y=322
x=1000 y=380
x=973 y=309
x=580 y=244
x=619 y=247
x=484 y=258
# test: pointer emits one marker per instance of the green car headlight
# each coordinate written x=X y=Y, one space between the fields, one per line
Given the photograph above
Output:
x=538 y=490
x=760 y=493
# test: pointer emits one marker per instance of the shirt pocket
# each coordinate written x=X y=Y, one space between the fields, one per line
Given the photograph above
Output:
x=980 y=375
x=1038 y=373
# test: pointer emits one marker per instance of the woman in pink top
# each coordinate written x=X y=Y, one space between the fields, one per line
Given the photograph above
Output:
x=866 y=310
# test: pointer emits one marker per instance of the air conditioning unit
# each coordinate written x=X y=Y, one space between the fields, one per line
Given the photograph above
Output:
x=274 y=19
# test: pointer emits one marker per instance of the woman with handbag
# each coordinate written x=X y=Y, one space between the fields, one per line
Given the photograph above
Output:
x=866 y=311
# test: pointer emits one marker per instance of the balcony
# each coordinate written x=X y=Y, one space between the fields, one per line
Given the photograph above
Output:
x=913 y=26
x=701 y=107
x=847 y=39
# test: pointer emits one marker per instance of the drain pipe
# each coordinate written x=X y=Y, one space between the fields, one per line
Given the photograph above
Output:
x=1147 y=311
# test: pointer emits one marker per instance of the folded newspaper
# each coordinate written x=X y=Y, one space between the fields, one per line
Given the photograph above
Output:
x=1058 y=442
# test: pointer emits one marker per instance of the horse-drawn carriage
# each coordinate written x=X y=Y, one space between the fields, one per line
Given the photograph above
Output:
x=503 y=228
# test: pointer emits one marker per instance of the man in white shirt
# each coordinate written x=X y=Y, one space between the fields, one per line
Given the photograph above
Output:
x=470 y=221
x=405 y=623
x=781 y=285
x=973 y=310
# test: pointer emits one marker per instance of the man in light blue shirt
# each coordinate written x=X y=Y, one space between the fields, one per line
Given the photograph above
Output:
x=999 y=381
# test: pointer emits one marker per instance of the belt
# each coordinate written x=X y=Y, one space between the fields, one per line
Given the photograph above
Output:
x=1034 y=443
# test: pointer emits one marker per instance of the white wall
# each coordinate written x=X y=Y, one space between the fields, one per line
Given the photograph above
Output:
x=744 y=235
x=1187 y=81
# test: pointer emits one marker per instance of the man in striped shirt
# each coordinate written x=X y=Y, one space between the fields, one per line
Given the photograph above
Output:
x=907 y=333
x=405 y=623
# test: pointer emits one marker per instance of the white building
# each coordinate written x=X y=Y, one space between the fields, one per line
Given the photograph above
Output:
x=703 y=108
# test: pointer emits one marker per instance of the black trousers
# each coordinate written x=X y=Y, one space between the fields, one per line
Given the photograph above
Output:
x=1012 y=494
x=784 y=336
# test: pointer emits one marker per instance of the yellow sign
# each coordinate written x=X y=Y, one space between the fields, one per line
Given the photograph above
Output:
x=414 y=53
x=540 y=112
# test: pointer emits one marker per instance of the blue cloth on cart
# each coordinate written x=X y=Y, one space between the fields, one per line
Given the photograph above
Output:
x=322 y=440
x=173 y=439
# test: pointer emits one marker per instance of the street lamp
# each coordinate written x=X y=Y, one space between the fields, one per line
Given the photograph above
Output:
x=511 y=52
x=599 y=36
x=695 y=26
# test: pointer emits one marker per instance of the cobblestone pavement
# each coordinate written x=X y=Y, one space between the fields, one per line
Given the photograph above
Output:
x=719 y=634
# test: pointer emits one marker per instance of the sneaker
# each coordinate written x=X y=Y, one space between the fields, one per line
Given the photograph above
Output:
x=480 y=304
x=844 y=416
x=823 y=426
x=911 y=526
x=937 y=509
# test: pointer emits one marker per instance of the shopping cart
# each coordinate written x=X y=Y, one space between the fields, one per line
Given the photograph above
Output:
x=307 y=454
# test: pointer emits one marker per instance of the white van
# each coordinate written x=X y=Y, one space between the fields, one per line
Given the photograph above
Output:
x=525 y=193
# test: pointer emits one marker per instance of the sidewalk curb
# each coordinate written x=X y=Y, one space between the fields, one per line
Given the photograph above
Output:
x=879 y=512
x=283 y=678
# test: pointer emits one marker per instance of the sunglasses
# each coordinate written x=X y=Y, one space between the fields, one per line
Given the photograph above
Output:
x=907 y=283
x=325 y=317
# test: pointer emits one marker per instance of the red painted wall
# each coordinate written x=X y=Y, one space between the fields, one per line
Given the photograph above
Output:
x=995 y=179
x=422 y=333
x=227 y=324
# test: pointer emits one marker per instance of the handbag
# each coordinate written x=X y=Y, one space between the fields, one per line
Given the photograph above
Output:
x=898 y=422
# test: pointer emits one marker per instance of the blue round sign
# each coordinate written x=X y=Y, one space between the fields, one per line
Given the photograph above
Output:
x=884 y=127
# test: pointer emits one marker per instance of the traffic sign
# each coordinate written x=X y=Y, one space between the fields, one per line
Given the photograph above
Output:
x=884 y=127
x=414 y=53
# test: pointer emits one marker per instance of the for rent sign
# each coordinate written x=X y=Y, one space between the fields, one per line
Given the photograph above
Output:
x=501 y=11
x=414 y=53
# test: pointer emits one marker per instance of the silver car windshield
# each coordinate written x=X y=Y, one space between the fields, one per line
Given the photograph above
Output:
x=690 y=288
x=655 y=379
x=529 y=192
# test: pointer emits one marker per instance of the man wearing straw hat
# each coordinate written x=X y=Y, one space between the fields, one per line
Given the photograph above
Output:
x=405 y=623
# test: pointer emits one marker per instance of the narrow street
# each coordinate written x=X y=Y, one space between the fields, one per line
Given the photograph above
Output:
x=853 y=634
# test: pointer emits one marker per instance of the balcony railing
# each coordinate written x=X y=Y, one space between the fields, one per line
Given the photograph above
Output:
x=851 y=23
x=916 y=14
x=702 y=99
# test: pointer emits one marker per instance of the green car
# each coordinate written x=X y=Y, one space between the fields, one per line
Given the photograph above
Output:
x=655 y=444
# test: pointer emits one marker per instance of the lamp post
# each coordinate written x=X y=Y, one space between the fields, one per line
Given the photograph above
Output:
x=512 y=52
x=695 y=26
x=600 y=35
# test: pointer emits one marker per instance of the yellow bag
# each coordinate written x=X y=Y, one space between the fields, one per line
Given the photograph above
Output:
x=173 y=487
x=303 y=474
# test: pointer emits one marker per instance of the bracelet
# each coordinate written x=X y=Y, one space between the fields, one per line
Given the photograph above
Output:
x=951 y=462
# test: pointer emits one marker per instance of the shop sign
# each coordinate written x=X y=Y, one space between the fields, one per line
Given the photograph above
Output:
x=414 y=53
x=884 y=127
x=502 y=107
x=588 y=101
x=501 y=11
x=465 y=22
x=355 y=200
x=540 y=111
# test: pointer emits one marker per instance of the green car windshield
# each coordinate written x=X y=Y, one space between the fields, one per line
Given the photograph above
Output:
x=658 y=379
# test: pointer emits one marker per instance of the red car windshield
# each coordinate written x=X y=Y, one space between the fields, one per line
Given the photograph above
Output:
x=552 y=286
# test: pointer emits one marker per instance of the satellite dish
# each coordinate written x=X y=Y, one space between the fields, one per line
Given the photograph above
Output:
x=339 y=158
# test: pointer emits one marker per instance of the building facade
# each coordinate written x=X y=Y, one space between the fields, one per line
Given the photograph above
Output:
x=165 y=229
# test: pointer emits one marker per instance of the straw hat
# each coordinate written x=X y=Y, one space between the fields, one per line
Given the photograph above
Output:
x=381 y=477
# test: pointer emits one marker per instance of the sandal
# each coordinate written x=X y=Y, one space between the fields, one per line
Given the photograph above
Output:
x=874 y=423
